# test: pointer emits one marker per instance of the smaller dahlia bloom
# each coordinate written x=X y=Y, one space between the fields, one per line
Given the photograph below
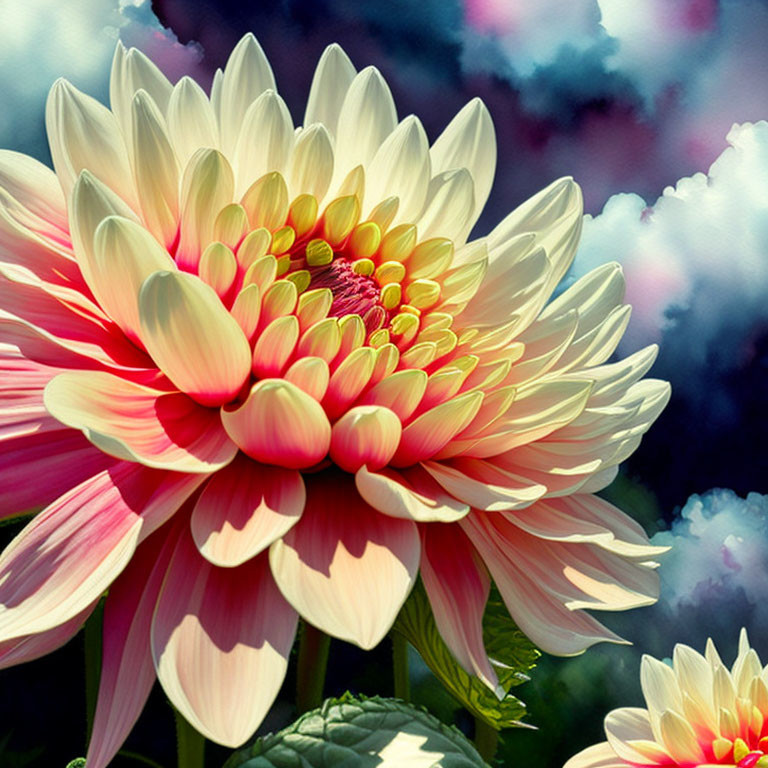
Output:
x=700 y=715
x=256 y=372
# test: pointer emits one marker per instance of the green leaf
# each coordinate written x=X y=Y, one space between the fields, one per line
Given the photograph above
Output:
x=511 y=652
x=356 y=732
x=78 y=762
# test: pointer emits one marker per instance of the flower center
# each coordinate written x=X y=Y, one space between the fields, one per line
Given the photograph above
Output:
x=353 y=293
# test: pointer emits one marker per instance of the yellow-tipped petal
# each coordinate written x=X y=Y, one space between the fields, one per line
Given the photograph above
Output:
x=390 y=272
x=231 y=226
x=387 y=358
x=740 y=750
x=398 y=243
x=721 y=747
x=391 y=295
x=379 y=338
x=430 y=258
x=319 y=253
x=404 y=324
x=266 y=201
x=323 y=340
x=313 y=306
x=282 y=240
x=254 y=246
x=365 y=240
x=353 y=184
x=262 y=273
x=340 y=218
x=283 y=265
x=301 y=279
x=363 y=267
x=302 y=214
x=280 y=299
x=352 y=333
x=422 y=294
x=218 y=267
x=384 y=213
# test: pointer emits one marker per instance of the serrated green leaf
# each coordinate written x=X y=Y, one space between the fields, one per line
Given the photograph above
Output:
x=511 y=652
x=356 y=732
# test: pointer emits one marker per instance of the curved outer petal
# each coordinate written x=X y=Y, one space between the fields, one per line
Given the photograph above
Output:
x=346 y=568
x=136 y=423
x=71 y=552
x=535 y=609
x=597 y=756
x=31 y=647
x=457 y=585
x=36 y=187
x=410 y=494
x=191 y=121
x=192 y=338
x=330 y=83
x=127 y=669
x=221 y=638
x=243 y=509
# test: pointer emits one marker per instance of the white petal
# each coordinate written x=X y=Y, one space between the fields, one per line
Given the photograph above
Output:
x=330 y=84
x=311 y=166
x=191 y=120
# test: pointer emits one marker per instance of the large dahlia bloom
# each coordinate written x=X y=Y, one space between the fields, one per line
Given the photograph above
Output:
x=257 y=372
x=699 y=715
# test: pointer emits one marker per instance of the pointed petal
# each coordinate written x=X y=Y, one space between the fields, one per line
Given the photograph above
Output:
x=457 y=585
x=192 y=338
x=311 y=166
x=85 y=134
x=221 y=638
x=155 y=169
x=333 y=76
x=136 y=423
x=401 y=167
x=191 y=120
x=246 y=76
x=367 y=117
x=127 y=670
x=346 y=568
x=243 y=509
x=469 y=141
x=265 y=140
x=449 y=206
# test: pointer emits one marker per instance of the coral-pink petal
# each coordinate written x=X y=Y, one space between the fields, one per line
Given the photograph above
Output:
x=244 y=508
x=137 y=423
x=408 y=493
x=127 y=669
x=457 y=585
x=346 y=568
x=221 y=638
x=70 y=553
x=367 y=435
x=279 y=424
x=30 y=647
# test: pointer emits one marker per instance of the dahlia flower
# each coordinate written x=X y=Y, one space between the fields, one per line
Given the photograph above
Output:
x=256 y=372
x=699 y=715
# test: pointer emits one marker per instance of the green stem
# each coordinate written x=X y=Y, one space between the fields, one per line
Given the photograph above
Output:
x=310 y=673
x=93 y=629
x=400 y=667
x=486 y=740
x=190 y=745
